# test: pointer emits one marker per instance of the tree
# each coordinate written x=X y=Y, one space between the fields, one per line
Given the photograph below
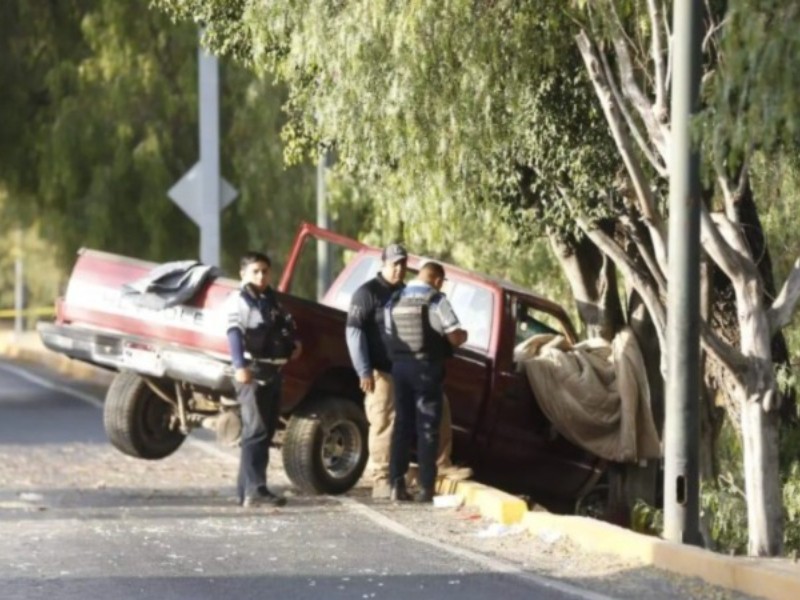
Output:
x=491 y=108
x=100 y=100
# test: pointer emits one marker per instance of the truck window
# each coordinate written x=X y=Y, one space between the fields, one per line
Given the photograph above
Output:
x=532 y=322
x=474 y=306
x=365 y=269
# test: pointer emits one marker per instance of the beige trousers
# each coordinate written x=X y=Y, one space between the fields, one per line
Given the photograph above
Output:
x=379 y=406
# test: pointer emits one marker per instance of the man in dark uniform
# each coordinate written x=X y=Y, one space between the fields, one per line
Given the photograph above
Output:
x=423 y=329
x=368 y=354
x=259 y=331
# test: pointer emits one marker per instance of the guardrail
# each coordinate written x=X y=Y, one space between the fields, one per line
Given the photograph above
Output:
x=34 y=311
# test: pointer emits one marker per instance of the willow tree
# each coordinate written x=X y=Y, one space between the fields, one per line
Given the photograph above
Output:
x=447 y=111
x=99 y=109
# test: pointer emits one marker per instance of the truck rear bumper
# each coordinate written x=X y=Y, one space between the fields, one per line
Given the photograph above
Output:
x=121 y=351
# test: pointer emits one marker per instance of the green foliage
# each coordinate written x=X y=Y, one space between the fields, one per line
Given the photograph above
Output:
x=103 y=97
x=755 y=97
x=647 y=519
x=791 y=508
x=450 y=100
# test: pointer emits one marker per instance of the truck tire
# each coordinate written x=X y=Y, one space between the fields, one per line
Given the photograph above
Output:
x=137 y=421
x=325 y=446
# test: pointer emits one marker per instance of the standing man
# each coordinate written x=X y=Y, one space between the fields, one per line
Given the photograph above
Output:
x=423 y=330
x=365 y=343
x=259 y=331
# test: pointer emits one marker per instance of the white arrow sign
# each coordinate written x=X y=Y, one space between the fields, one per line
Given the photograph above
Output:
x=186 y=194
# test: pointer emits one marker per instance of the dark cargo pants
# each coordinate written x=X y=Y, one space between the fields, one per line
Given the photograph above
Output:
x=418 y=396
x=260 y=411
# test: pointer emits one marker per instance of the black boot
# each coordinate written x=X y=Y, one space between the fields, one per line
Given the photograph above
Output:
x=398 y=491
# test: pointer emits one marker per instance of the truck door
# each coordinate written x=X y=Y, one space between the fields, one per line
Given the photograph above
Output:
x=467 y=376
x=534 y=456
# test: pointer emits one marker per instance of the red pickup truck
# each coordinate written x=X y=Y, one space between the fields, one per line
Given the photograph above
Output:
x=174 y=372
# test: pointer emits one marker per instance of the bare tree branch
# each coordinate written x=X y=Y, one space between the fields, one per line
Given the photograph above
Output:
x=732 y=234
x=654 y=161
x=781 y=312
x=657 y=50
x=656 y=270
x=718 y=249
x=632 y=273
x=726 y=355
x=668 y=38
x=637 y=98
x=647 y=203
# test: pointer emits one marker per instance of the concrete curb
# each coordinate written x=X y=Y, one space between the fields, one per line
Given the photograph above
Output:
x=775 y=579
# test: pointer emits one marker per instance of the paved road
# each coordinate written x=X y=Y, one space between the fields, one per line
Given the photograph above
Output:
x=78 y=520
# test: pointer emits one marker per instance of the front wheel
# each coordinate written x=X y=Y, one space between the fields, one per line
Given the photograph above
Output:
x=138 y=422
x=325 y=446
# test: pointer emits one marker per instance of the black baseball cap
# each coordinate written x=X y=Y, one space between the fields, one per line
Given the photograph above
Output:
x=394 y=253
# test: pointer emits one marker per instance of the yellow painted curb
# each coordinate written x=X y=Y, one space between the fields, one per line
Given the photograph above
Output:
x=775 y=579
x=492 y=503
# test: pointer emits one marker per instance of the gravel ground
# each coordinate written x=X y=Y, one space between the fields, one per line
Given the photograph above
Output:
x=71 y=478
x=548 y=556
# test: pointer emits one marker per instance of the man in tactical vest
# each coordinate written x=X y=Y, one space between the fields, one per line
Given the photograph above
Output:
x=259 y=332
x=423 y=329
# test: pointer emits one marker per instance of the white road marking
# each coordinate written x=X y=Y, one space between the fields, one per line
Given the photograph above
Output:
x=493 y=564
x=50 y=385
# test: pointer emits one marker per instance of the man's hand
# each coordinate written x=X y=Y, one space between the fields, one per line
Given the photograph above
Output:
x=243 y=375
x=298 y=350
x=367 y=384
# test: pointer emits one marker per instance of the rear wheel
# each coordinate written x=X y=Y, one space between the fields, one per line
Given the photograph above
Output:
x=138 y=422
x=325 y=446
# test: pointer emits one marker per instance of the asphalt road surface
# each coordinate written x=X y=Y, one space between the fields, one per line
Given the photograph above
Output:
x=79 y=520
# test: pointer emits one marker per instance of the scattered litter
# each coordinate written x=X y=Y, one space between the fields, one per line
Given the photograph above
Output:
x=454 y=582
x=31 y=497
x=500 y=530
x=550 y=536
x=448 y=501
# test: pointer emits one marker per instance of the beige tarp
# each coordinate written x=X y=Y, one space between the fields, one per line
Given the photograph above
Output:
x=595 y=393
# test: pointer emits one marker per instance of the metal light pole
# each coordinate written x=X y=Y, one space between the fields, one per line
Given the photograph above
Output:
x=202 y=193
x=209 y=157
x=324 y=258
x=19 y=287
x=682 y=422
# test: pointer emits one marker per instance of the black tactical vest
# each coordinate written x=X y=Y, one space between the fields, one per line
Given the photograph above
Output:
x=271 y=338
x=412 y=335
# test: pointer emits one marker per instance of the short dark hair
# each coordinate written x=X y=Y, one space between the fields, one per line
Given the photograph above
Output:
x=434 y=269
x=250 y=257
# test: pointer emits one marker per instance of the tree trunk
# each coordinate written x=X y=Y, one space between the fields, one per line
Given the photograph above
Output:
x=593 y=280
x=760 y=421
x=762 y=478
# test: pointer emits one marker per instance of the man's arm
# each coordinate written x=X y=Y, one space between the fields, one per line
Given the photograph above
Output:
x=451 y=326
x=356 y=337
x=235 y=334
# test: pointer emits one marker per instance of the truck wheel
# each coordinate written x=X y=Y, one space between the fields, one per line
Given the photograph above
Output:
x=325 y=446
x=137 y=421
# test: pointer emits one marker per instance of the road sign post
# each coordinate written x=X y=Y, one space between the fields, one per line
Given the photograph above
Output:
x=202 y=193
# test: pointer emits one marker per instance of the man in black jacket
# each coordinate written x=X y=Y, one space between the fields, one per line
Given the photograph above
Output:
x=369 y=357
